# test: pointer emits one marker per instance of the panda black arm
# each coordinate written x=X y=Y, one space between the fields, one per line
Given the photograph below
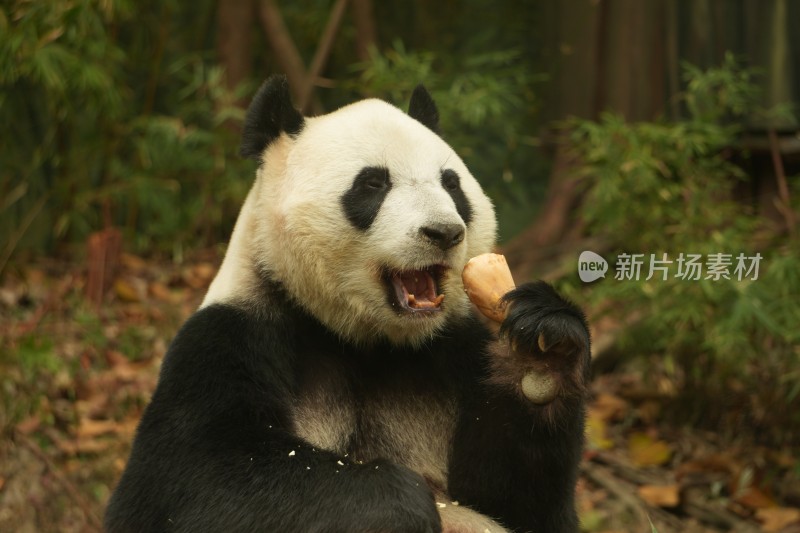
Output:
x=213 y=451
x=511 y=458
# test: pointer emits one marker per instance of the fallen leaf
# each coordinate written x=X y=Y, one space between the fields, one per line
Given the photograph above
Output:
x=161 y=292
x=754 y=498
x=660 y=495
x=592 y=520
x=597 y=433
x=29 y=425
x=129 y=289
x=649 y=412
x=714 y=463
x=119 y=464
x=645 y=451
x=9 y=297
x=782 y=458
x=89 y=428
x=83 y=446
x=133 y=262
x=776 y=518
x=116 y=358
x=608 y=407
x=199 y=276
x=35 y=276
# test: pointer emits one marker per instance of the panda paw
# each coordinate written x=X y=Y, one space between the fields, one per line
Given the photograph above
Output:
x=544 y=344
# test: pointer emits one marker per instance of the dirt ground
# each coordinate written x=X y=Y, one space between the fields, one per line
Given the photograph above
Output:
x=75 y=378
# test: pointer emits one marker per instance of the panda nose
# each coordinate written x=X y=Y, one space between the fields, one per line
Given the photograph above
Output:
x=445 y=236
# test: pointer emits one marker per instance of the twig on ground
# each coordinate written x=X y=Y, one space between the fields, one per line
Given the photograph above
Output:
x=55 y=296
x=603 y=477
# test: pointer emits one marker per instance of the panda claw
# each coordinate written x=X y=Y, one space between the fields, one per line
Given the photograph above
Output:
x=541 y=343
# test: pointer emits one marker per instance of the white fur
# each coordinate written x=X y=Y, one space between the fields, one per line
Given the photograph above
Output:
x=292 y=224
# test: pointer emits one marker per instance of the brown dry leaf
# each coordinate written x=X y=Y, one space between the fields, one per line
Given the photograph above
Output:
x=121 y=370
x=129 y=289
x=597 y=433
x=714 y=463
x=660 y=495
x=161 y=292
x=119 y=464
x=116 y=358
x=199 y=276
x=29 y=425
x=35 y=276
x=205 y=271
x=89 y=428
x=754 y=498
x=133 y=262
x=608 y=407
x=2 y=483
x=83 y=446
x=125 y=373
x=9 y=297
x=776 y=518
x=37 y=285
x=782 y=458
x=649 y=412
x=645 y=451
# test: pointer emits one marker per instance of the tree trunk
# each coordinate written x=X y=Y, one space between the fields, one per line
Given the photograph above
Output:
x=546 y=235
x=364 y=21
x=234 y=40
x=286 y=53
x=321 y=55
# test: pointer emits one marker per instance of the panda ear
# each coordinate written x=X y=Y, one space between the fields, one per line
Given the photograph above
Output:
x=423 y=109
x=270 y=113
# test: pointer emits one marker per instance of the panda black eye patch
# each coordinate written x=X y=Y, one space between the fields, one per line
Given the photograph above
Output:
x=363 y=200
x=451 y=182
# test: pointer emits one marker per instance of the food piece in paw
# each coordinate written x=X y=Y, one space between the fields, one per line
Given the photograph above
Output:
x=487 y=279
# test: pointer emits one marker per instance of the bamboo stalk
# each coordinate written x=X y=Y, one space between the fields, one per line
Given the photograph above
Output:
x=784 y=202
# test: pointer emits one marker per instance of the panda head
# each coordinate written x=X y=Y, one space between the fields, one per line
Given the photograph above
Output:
x=365 y=216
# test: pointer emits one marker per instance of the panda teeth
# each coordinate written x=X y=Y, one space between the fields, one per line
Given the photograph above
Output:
x=425 y=304
x=415 y=290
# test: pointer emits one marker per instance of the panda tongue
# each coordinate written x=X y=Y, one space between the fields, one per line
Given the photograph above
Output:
x=419 y=289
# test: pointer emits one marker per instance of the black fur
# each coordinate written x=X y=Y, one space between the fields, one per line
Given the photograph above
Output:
x=451 y=182
x=212 y=452
x=270 y=113
x=538 y=448
x=423 y=109
x=364 y=199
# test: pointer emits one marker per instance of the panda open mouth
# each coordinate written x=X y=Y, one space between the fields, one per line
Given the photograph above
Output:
x=416 y=291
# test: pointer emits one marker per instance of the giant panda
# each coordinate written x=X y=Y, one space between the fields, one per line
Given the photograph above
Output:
x=336 y=377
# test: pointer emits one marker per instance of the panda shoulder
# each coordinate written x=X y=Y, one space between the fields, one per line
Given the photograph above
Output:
x=223 y=334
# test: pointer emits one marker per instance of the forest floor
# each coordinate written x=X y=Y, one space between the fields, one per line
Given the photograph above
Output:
x=74 y=379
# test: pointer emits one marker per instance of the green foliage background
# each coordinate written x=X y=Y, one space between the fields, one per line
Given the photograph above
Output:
x=116 y=113
x=671 y=187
